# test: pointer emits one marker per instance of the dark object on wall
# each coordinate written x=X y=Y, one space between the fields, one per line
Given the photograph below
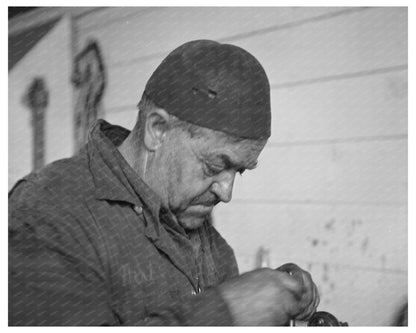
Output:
x=262 y=258
x=36 y=99
x=14 y=11
x=401 y=318
x=88 y=77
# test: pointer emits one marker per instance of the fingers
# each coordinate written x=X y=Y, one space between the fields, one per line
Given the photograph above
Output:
x=293 y=270
x=296 y=288
x=311 y=308
x=308 y=298
x=317 y=299
x=307 y=301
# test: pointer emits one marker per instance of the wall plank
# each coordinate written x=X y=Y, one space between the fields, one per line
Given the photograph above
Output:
x=126 y=117
x=362 y=107
x=365 y=172
x=126 y=84
x=359 y=237
x=362 y=298
x=131 y=33
x=362 y=41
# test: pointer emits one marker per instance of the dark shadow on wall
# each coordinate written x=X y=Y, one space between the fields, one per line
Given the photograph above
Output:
x=14 y=11
x=401 y=318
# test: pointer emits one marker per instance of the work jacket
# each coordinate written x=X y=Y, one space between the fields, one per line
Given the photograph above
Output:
x=90 y=244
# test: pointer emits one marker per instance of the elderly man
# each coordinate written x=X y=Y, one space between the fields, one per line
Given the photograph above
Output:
x=120 y=233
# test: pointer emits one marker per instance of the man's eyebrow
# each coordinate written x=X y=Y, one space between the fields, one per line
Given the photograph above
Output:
x=235 y=165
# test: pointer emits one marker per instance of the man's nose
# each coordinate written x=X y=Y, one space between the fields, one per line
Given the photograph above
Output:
x=223 y=186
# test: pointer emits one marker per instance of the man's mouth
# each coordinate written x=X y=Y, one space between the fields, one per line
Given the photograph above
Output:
x=201 y=205
x=200 y=209
x=209 y=203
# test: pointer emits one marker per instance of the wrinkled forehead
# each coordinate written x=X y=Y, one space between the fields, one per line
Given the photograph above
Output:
x=234 y=152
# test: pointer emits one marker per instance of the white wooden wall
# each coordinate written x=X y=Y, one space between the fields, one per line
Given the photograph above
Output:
x=49 y=59
x=330 y=192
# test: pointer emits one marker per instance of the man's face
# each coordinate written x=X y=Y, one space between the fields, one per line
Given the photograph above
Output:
x=200 y=172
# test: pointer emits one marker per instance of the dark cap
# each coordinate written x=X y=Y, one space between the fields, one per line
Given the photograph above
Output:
x=213 y=85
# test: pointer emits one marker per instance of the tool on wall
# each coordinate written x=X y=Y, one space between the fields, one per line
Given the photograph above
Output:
x=36 y=99
x=89 y=80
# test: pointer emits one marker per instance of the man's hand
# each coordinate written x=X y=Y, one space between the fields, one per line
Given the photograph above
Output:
x=270 y=297
x=310 y=297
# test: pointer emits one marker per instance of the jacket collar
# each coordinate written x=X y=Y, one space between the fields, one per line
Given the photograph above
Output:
x=114 y=178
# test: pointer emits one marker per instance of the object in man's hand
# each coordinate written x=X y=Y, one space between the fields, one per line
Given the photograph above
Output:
x=319 y=318
x=292 y=270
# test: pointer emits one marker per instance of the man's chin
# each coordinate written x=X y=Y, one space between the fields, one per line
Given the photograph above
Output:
x=194 y=217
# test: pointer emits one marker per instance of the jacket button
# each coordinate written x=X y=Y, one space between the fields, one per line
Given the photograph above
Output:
x=137 y=209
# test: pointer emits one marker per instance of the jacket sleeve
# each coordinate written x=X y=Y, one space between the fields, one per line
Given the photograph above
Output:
x=205 y=309
x=56 y=278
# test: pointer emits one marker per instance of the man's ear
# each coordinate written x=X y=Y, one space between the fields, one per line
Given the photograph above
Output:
x=157 y=124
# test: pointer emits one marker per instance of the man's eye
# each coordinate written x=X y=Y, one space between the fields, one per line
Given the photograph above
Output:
x=212 y=170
